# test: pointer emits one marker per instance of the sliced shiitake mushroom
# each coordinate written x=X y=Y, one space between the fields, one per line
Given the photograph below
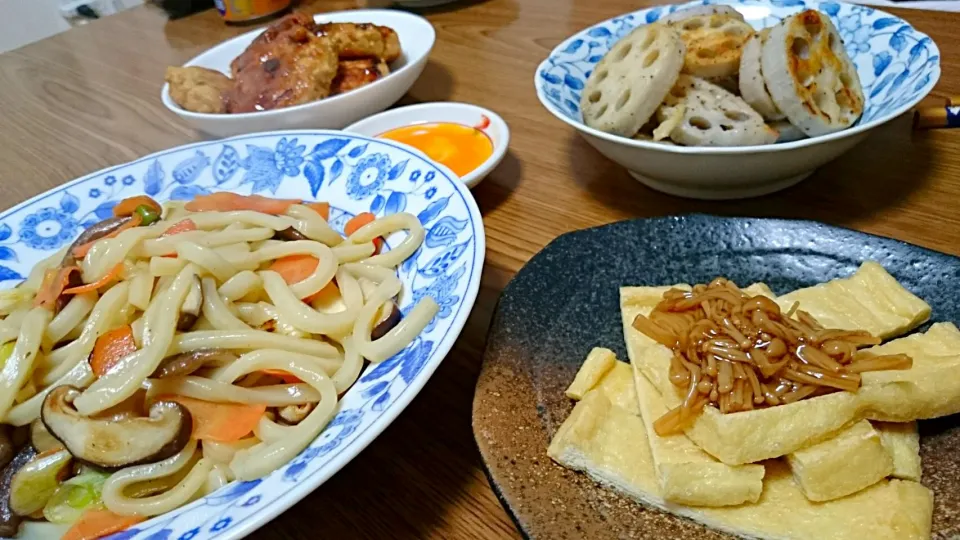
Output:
x=389 y=317
x=73 y=280
x=183 y=364
x=190 y=309
x=289 y=234
x=294 y=414
x=115 y=443
x=9 y=521
x=7 y=450
x=41 y=439
x=92 y=233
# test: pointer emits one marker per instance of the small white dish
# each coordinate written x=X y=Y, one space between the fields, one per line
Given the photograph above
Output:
x=487 y=121
x=416 y=40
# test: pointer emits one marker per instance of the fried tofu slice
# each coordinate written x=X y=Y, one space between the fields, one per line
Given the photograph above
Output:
x=686 y=474
x=870 y=299
x=610 y=444
x=852 y=460
x=928 y=390
x=738 y=438
x=198 y=89
x=902 y=441
x=598 y=363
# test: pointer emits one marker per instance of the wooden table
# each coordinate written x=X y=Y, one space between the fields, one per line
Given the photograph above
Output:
x=89 y=98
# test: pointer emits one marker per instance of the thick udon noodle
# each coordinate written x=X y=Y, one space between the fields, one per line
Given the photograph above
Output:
x=322 y=346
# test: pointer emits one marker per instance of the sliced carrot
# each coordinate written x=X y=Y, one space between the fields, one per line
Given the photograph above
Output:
x=114 y=273
x=127 y=206
x=283 y=375
x=55 y=280
x=321 y=208
x=99 y=523
x=295 y=268
x=358 y=221
x=110 y=348
x=182 y=226
x=81 y=250
x=326 y=294
x=216 y=421
x=225 y=202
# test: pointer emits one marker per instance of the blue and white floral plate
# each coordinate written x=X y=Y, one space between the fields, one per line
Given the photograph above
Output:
x=354 y=174
x=897 y=65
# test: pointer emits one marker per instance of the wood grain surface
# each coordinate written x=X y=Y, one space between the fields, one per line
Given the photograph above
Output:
x=89 y=98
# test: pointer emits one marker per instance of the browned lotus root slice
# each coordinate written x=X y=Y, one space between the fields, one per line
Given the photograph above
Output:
x=711 y=116
x=787 y=132
x=752 y=86
x=631 y=80
x=809 y=75
x=714 y=44
x=699 y=11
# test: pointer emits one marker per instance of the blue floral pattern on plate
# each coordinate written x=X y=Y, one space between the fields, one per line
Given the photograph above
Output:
x=897 y=64
x=354 y=174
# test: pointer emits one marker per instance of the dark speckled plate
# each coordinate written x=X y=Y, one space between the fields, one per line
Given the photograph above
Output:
x=566 y=300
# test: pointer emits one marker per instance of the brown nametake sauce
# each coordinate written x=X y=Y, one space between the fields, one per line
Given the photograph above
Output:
x=739 y=352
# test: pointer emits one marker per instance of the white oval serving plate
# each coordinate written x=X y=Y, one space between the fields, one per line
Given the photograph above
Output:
x=354 y=174
x=487 y=121
x=416 y=40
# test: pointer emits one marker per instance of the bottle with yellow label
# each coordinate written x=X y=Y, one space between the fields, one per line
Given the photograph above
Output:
x=238 y=11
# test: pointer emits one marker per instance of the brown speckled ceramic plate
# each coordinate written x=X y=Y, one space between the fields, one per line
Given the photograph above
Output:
x=566 y=301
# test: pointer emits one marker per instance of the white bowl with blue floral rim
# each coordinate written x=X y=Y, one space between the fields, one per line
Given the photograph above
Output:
x=354 y=174
x=897 y=65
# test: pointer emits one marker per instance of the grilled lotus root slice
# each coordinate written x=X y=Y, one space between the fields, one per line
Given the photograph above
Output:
x=809 y=75
x=712 y=116
x=714 y=44
x=631 y=80
x=787 y=132
x=753 y=88
x=699 y=11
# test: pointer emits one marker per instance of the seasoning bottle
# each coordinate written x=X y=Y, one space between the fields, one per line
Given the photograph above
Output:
x=241 y=11
x=181 y=8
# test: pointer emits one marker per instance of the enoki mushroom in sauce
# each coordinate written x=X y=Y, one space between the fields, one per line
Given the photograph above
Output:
x=739 y=352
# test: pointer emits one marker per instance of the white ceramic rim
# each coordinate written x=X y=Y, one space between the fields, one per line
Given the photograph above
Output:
x=427 y=29
x=474 y=177
x=724 y=150
x=349 y=452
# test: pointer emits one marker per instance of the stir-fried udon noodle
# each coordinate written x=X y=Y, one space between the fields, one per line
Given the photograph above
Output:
x=173 y=349
x=739 y=352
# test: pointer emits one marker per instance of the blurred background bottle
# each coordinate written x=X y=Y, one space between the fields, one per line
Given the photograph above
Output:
x=241 y=11
x=182 y=8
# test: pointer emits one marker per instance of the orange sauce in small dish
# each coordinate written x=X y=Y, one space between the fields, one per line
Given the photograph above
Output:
x=461 y=148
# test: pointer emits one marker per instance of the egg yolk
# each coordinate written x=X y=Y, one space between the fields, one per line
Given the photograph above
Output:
x=461 y=148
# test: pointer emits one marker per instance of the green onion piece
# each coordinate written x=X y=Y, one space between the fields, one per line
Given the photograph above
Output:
x=33 y=485
x=75 y=496
x=147 y=215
